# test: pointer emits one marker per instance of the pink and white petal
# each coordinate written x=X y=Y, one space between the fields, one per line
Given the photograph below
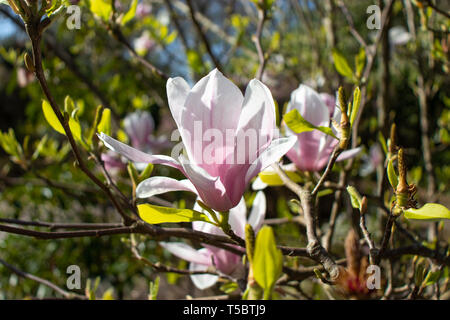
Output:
x=186 y=252
x=238 y=218
x=210 y=189
x=177 y=92
x=158 y=185
x=347 y=154
x=202 y=281
x=136 y=155
x=213 y=103
x=258 y=114
x=310 y=105
x=272 y=154
x=258 y=212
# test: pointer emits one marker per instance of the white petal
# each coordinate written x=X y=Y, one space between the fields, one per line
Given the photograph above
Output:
x=257 y=114
x=136 y=155
x=310 y=105
x=177 y=92
x=238 y=218
x=186 y=252
x=202 y=281
x=158 y=185
x=272 y=154
x=258 y=184
x=347 y=154
x=258 y=211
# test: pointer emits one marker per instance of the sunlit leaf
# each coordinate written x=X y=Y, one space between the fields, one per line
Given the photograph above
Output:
x=342 y=65
x=355 y=197
x=392 y=176
x=267 y=261
x=53 y=121
x=105 y=122
x=131 y=13
x=298 y=124
x=101 y=8
x=429 y=211
x=272 y=179
x=156 y=214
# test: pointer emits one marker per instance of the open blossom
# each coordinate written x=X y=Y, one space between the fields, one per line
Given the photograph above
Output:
x=139 y=126
x=210 y=256
x=218 y=169
x=313 y=149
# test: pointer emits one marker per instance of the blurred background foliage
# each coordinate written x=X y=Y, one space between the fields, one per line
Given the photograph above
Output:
x=93 y=69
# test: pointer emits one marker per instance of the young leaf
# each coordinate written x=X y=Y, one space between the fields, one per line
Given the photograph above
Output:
x=272 y=179
x=153 y=288
x=342 y=65
x=101 y=8
x=360 y=61
x=355 y=197
x=392 y=176
x=355 y=105
x=267 y=261
x=131 y=13
x=429 y=211
x=105 y=122
x=53 y=121
x=298 y=124
x=156 y=214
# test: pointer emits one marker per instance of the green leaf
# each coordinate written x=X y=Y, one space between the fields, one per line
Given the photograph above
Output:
x=355 y=197
x=392 y=176
x=432 y=277
x=108 y=295
x=156 y=214
x=105 y=122
x=153 y=288
x=53 y=121
x=382 y=141
x=267 y=261
x=355 y=105
x=428 y=211
x=272 y=179
x=101 y=8
x=298 y=124
x=342 y=65
x=130 y=14
x=146 y=173
x=360 y=61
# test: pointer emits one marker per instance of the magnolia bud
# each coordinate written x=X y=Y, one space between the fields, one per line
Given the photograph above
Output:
x=29 y=62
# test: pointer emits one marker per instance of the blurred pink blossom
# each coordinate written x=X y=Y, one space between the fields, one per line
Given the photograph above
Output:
x=209 y=256
x=313 y=149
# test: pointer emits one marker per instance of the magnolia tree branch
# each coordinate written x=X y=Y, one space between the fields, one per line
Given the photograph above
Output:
x=54 y=287
x=202 y=36
x=34 y=30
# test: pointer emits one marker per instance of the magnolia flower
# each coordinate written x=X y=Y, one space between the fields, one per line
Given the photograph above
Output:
x=372 y=161
x=210 y=256
x=218 y=169
x=144 y=43
x=399 y=36
x=24 y=77
x=313 y=149
x=143 y=10
x=139 y=127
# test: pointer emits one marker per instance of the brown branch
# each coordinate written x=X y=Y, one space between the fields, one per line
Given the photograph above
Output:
x=34 y=30
x=202 y=36
x=58 y=225
x=26 y=275
x=262 y=17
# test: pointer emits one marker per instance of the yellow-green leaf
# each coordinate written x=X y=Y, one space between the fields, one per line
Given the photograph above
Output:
x=101 y=8
x=298 y=124
x=355 y=197
x=131 y=12
x=272 y=179
x=156 y=214
x=267 y=261
x=342 y=65
x=392 y=176
x=53 y=121
x=429 y=211
x=105 y=122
